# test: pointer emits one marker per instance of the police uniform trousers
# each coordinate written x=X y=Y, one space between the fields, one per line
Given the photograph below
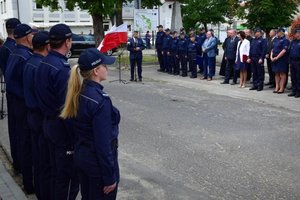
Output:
x=23 y=132
x=174 y=64
x=40 y=155
x=64 y=180
x=136 y=62
x=89 y=171
x=230 y=67
x=166 y=61
x=193 y=63
x=209 y=66
x=249 y=71
x=14 y=139
x=258 y=71
x=160 y=58
x=295 y=75
x=183 y=63
x=200 y=62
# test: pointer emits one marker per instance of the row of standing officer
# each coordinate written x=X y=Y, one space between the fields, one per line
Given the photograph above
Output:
x=36 y=92
x=175 y=52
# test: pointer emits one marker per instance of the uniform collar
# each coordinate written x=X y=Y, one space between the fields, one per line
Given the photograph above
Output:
x=38 y=55
x=10 y=39
x=24 y=47
x=93 y=84
x=55 y=53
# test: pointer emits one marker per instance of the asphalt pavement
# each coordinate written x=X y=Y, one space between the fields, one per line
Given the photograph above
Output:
x=190 y=139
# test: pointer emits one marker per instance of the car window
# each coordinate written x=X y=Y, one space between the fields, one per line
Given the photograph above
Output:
x=89 y=38
x=77 y=37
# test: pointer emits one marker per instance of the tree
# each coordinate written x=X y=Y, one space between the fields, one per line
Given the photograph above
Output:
x=269 y=14
x=204 y=11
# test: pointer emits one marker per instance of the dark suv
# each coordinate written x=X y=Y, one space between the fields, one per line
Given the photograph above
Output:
x=80 y=43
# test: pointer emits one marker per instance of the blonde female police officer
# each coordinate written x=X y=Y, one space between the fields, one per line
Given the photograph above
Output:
x=96 y=126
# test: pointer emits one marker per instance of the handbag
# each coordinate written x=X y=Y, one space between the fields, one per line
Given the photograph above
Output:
x=245 y=58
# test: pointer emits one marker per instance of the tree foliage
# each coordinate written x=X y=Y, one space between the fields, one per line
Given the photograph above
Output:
x=268 y=14
x=204 y=12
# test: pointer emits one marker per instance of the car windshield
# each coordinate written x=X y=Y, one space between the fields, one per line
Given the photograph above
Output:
x=89 y=38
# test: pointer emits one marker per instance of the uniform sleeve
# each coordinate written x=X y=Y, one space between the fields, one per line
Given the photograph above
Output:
x=286 y=44
x=60 y=85
x=264 y=49
x=102 y=130
x=143 y=45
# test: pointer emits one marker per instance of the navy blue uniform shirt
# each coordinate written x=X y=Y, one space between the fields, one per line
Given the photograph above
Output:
x=166 y=45
x=182 y=46
x=201 y=38
x=295 y=50
x=7 y=48
x=193 y=48
x=132 y=44
x=159 y=39
x=174 y=44
x=96 y=124
x=14 y=71
x=280 y=44
x=28 y=80
x=258 y=48
x=51 y=81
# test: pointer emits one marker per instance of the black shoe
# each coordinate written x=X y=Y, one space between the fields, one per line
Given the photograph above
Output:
x=131 y=79
x=29 y=191
x=233 y=83
x=259 y=89
x=225 y=82
x=292 y=94
x=297 y=95
x=253 y=88
x=184 y=75
x=140 y=79
x=272 y=86
x=160 y=70
x=193 y=76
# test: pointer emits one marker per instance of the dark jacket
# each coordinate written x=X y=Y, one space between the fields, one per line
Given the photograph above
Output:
x=131 y=47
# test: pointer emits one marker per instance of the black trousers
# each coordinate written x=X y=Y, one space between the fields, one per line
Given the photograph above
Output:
x=228 y=70
x=295 y=76
x=258 y=73
x=160 y=58
x=270 y=72
x=133 y=63
x=183 y=63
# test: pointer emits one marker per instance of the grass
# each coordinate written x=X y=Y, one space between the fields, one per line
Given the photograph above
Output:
x=147 y=59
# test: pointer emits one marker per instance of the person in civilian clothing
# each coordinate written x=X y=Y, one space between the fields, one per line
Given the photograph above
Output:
x=271 y=82
x=242 y=53
x=209 y=56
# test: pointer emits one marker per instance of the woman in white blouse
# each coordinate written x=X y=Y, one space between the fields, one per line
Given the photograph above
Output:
x=242 y=54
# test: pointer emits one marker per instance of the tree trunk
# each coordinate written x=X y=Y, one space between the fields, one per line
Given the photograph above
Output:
x=119 y=8
x=98 y=28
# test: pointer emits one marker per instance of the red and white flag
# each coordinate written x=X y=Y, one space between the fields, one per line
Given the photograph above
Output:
x=113 y=38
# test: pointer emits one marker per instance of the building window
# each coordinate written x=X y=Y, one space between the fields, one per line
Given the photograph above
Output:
x=37 y=5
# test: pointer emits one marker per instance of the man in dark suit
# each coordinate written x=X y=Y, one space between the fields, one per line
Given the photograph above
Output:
x=230 y=56
x=223 y=63
x=271 y=82
x=135 y=47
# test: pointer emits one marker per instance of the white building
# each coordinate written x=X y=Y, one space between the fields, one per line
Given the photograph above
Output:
x=42 y=18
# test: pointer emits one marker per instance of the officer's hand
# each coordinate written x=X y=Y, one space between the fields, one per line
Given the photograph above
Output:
x=260 y=61
x=225 y=58
x=138 y=48
x=110 y=188
x=185 y=56
x=249 y=61
x=267 y=56
x=168 y=53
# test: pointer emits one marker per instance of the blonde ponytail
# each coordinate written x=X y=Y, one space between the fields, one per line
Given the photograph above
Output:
x=72 y=99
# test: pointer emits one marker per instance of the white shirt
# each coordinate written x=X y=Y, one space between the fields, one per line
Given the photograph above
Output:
x=243 y=50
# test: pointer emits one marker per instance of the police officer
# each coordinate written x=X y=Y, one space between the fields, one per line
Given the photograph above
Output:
x=200 y=40
x=135 y=47
x=14 y=82
x=230 y=57
x=272 y=36
x=174 y=62
x=182 y=53
x=7 y=48
x=166 y=45
x=40 y=152
x=279 y=58
x=294 y=59
x=258 y=49
x=158 y=45
x=193 y=50
x=51 y=84
x=96 y=123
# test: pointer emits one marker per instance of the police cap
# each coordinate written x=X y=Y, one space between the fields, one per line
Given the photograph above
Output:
x=167 y=30
x=159 y=26
x=40 y=39
x=281 y=30
x=60 y=32
x=22 y=30
x=91 y=58
x=257 y=30
x=12 y=23
x=297 y=30
x=182 y=33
